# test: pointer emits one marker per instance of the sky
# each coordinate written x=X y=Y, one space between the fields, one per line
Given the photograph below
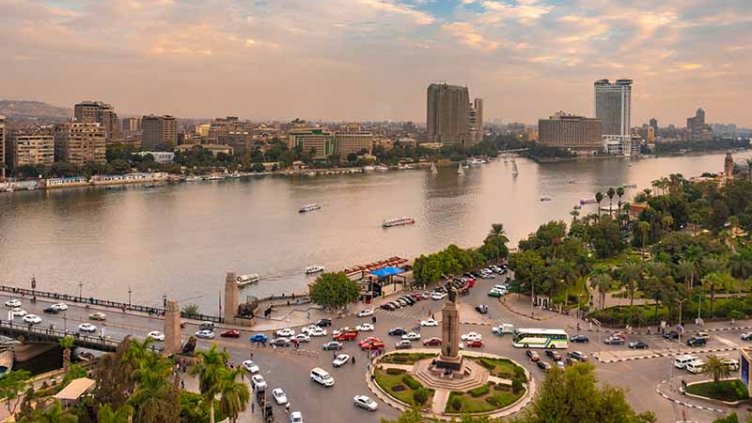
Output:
x=373 y=59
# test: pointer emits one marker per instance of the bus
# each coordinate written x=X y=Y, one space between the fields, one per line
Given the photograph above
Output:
x=540 y=338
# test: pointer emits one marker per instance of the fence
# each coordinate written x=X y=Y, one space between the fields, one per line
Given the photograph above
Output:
x=31 y=332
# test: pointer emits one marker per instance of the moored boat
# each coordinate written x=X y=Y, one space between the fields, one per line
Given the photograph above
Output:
x=398 y=222
x=310 y=270
x=243 y=280
x=309 y=207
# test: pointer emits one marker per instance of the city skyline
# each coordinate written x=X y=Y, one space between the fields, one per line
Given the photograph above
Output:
x=372 y=59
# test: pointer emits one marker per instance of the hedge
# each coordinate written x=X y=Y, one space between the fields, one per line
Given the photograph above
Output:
x=394 y=372
x=411 y=383
x=723 y=308
x=479 y=391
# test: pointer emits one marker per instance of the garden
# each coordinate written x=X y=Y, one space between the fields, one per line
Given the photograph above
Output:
x=730 y=390
x=485 y=398
x=401 y=385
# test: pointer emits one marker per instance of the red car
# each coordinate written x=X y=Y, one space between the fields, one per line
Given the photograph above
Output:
x=432 y=342
x=371 y=343
x=346 y=336
x=474 y=344
x=232 y=333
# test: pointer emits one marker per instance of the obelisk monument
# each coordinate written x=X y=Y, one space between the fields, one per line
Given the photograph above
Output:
x=450 y=357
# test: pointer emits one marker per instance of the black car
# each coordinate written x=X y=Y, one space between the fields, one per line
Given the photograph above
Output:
x=671 y=335
x=408 y=300
x=544 y=365
x=553 y=355
x=576 y=355
x=397 y=331
x=696 y=342
x=322 y=323
x=639 y=345
x=387 y=306
x=482 y=309
x=51 y=310
x=332 y=345
x=579 y=339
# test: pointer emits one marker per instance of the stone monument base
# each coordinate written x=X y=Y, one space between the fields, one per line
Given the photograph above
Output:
x=450 y=363
x=470 y=375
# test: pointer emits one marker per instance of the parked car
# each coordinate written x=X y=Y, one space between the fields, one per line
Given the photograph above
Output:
x=671 y=335
x=365 y=313
x=332 y=345
x=532 y=355
x=318 y=331
x=364 y=327
x=613 y=340
x=279 y=396
x=13 y=303
x=250 y=366
x=286 y=333
x=51 y=310
x=301 y=337
x=156 y=335
x=437 y=296
x=474 y=344
x=371 y=343
x=411 y=336
x=481 y=308
x=577 y=355
x=205 y=334
x=232 y=333
x=281 y=342
x=432 y=342
x=365 y=402
x=429 y=323
x=638 y=345
x=747 y=336
x=553 y=355
x=403 y=345
x=472 y=336
x=296 y=417
x=258 y=383
x=544 y=365
x=349 y=335
x=579 y=339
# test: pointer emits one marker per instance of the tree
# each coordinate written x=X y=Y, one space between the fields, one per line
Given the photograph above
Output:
x=598 y=199
x=209 y=369
x=191 y=310
x=631 y=275
x=66 y=343
x=409 y=416
x=687 y=270
x=715 y=366
x=12 y=385
x=619 y=193
x=234 y=395
x=334 y=290
x=121 y=415
x=54 y=413
x=602 y=283
x=643 y=228
x=610 y=194
x=740 y=264
x=713 y=281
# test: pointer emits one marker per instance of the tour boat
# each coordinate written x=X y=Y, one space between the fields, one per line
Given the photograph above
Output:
x=473 y=161
x=310 y=270
x=460 y=171
x=588 y=201
x=309 y=207
x=369 y=168
x=433 y=168
x=398 y=222
x=545 y=198
x=244 y=280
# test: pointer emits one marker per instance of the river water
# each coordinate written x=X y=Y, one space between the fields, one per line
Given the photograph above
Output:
x=181 y=240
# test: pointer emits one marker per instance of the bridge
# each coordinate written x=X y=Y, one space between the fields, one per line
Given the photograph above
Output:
x=31 y=333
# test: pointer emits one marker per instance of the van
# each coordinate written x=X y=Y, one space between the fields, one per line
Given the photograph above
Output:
x=206 y=326
x=695 y=367
x=322 y=377
x=731 y=364
x=681 y=361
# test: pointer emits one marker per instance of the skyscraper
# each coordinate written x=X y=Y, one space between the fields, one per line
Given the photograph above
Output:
x=159 y=132
x=99 y=112
x=31 y=147
x=476 y=119
x=448 y=117
x=697 y=129
x=613 y=105
x=654 y=124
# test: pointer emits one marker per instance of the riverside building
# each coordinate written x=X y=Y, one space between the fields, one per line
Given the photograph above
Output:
x=159 y=132
x=613 y=107
x=578 y=134
x=448 y=115
x=317 y=142
x=101 y=113
x=31 y=148
x=79 y=143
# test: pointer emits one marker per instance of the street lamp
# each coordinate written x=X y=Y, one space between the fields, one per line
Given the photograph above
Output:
x=80 y=291
x=130 y=291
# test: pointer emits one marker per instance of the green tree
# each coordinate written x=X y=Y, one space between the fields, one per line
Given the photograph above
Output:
x=620 y=194
x=334 y=290
x=598 y=199
x=54 y=413
x=409 y=416
x=234 y=394
x=121 y=415
x=191 y=310
x=740 y=264
x=714 y=281
x=643 y=228
x=610 y=193
x=687 y=270
x=601 y=282
x=630 y=274
x=12 y=385
x=715 y=367
x=209 y=368
x=66 y=343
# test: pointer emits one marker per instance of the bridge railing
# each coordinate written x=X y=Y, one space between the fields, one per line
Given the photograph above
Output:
x=30 y=331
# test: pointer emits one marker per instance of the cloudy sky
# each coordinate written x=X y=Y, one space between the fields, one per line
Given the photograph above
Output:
x=372 y=59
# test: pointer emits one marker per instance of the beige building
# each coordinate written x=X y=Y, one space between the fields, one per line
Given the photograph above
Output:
x=159 y=132
x=577 y=133
x=316 y=140
x=352 y=142
x=2 y=147
x=448 y=115
x=32 y=148
x=99 y=112
x=79 y=143
x=131 y=125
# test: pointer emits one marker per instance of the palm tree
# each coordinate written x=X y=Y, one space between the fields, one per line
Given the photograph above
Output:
x=497 y=229
x=234 y=395
x=66 y=343
x=749 y=164
x=575 y=214
x=740 y=264
x=610 y=194
x=598 y=199
x=209 y=371
x=643 y=227
x=710 y=283
x=688 y=271
x=54 y=414
x=601 y=282
x=667 y=221
x=154 y=398
x=631 y=275
x=715 y=366
x=121 y=415
x=619 y=193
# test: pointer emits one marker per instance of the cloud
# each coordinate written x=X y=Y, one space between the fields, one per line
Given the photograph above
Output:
x=468 y=35
x=419 y=18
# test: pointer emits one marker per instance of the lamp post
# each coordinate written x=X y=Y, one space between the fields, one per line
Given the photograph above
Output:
x=33 y=285
x=681 y=327
x=80 y=291
x=130 y=291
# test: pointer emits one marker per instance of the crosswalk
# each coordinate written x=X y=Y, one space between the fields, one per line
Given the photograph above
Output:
x=409 y=314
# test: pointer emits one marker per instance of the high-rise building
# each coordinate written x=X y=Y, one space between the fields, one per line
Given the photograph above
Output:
x=36 y=147
x=315 y=141
x=579 y=134
x=79 y=143
x=2 y=147
x=159 y=132
x=654 y=124
x=476 y=120
x=352 y=142
x=697 y=129
x=613 y=105
x=102 y=113
x=448 y=117
x=131 y=124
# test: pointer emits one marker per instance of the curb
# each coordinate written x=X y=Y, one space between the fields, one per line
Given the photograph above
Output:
x=477 y=323
x=686 y=404
x=671 y=354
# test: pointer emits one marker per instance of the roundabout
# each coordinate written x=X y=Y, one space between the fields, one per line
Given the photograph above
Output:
x=447 y=383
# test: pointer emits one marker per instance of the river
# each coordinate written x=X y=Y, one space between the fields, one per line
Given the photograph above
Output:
x=181 y=240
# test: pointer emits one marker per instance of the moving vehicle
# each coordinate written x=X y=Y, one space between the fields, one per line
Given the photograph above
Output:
x=432 y=342
x=638 y=345
x=503 y=329
x=279 y=396
x=472 y=336
x=365 y=402
x=296 y=417
x=60 y=306
x=51 y=310
x=613 y=340
x=322 y=323
x=13 y=303
x=99 y=316
x=365 y=313
x=696 y=342
x=403 y=345
x=731 y=363
x=286 y=333
x=579 y=339
x=544 y=365
x=322 y=377
x=437 y=296
x=746 y=336
x=250 y=366
x=156 y=335
x=364 y=327
x=281 y=342
x=207 y=326
x=258 y=383
x=301 y=337
x=477 y=343
x=332 y=345
x=205 y=334
x=412 y=336
x=553 y=355
x=259 y=337
x=18 y=312
x=32 y=318
x=577 y=355
x=681 y=361
x=309 y=207
x=87 y=327
x=371 y=343
x=310 y=270
x=398 y=331
x=481 y=308
x=340 y=360
x=496 y=293
x=696 y=366
x=532 y=355
x=540 y=338
x=349 y=335
x=317 y=332
x=398 y=222
x=429 y=323
x=232 y=333
x=243 y=280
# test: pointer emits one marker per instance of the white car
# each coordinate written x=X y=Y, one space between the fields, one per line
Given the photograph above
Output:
x=436 y=296
x=32 y=318
x=279 y=396
x=301 y=337
x=250 y=366
x=60 y=306
x=472 y=336
x=364 y=327
x=258 y=383
x=363 y=401
x=747 y=336
x=18 y=312
x=156 y=335
x=87 y=327
x=286 y=333
x=411 y=336
x=205 y=334
x=429 y=323
x=13 y=303
x=365 y=313
x=296 y=417
x=340 y=360
x=317 y=332
x=308 y=329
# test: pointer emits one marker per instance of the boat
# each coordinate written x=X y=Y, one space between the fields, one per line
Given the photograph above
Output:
x=460 y=171
x=515 y=171
x=588 y=201
x=215 y=177
x=243 y=280
x=6 y=361
x=382 y=168
x=194 y=179
x=433 y=168
x=309 y=207
x=310 y=270
x=398 y=222
x=630 y=186
x=369 y=168
x=545 y=198
x=473 y=161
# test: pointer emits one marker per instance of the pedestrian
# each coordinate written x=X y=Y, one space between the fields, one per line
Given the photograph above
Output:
x=182 y=383
x=253 y=407
x=251 y=354
x=334 y=355
x=308 y=315
x=287 y=407
x=353 y=360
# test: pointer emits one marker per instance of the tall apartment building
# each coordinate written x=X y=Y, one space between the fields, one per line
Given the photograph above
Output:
x=102 y=113
x=613 y=106
x=697 y=129
x=2 y=147
x=579 y=134
x=79 y=143
x=318 y=141
x=448 y=115
x=654 y=125
x=34 y=148
x=159 y=132
x=230 y=131
x=131 y=124
x=476 y=119
x=352 y=142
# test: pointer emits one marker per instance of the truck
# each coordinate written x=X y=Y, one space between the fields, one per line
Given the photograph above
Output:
x=503 y=328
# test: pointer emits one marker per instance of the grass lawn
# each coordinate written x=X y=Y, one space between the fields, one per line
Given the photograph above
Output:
x=725 y=390
x=403 y=392
x=496 y=398
x=406 y=358
x=499 y=367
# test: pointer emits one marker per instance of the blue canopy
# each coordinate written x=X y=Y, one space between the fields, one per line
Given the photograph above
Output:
x=387 y=271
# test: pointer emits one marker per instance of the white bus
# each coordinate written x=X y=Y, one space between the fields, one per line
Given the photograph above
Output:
x=540 y=338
